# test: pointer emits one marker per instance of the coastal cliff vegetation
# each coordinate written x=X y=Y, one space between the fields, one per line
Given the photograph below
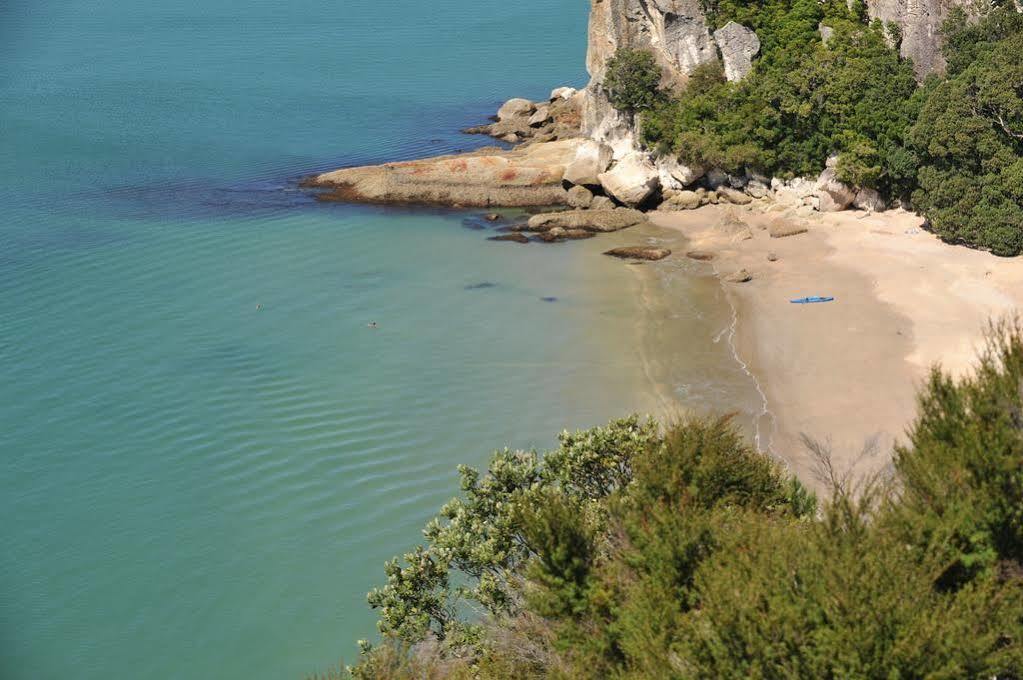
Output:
x=637 y=551
x=829 y=81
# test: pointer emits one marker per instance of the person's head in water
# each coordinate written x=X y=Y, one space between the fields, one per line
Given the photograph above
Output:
x=372 y=324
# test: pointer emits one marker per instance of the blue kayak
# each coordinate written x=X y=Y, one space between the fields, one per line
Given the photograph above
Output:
x=812 y=298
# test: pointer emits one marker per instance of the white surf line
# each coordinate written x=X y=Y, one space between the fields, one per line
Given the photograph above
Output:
x=731 y=330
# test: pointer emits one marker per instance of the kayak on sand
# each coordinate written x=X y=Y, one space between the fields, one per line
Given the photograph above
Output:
x=812 y=298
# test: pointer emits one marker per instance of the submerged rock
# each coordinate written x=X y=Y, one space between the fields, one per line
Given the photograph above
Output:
x=700 y=255
x=639 y=253
x=515 y=236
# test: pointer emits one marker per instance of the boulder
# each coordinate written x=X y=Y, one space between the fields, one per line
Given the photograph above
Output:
x=602 y=203
x=701 y=255
x=590 y=220
x=632 y=180
x=757 y=189
x=738 y=46
x=576 y=234
x=826 y=32
x=683 y=200
x=781 y=228
x=772 y=257
x=733 y=196
x=580 y=197
x=834 y=195
x=716 y=178
x=562 y=93
x=740 y=276
x=541 y=117
x=869 y=200
x=639 y=253
x=491 y=217
x=591 y=159
x=793 y=192
x=515 y=108
x=674 y=175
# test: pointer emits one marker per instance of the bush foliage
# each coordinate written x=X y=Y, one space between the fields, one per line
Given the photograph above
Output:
x=638 y=553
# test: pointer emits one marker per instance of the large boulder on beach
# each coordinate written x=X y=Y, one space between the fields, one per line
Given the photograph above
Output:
x=869 y=200
x=580 y=197
x=590 y=220
x=591 y=159
x=683 y=200
x=515 y=108
x=632 y=180
x=733 y=196
x=834 y=194
x=675 y=175
x=639 y=253
x=738 y=46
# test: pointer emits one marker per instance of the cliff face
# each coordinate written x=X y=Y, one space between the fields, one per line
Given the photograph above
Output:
x=679 y=36
x=920 y=22
x=675 y=31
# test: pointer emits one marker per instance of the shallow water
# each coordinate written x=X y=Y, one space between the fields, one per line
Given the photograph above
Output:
x=206 y=453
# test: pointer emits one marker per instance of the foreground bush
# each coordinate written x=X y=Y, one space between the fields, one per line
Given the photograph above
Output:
x=635 y=553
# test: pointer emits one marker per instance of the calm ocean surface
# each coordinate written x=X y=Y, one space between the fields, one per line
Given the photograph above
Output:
x=194 y=487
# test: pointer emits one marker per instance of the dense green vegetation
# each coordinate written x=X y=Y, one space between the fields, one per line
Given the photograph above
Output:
x=639 y=553
x=954 y=146
x=969 y=137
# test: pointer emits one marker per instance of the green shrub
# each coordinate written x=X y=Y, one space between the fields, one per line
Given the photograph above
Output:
x=633 y=81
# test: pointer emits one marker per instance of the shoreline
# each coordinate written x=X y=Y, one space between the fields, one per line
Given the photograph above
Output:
x=845 y=373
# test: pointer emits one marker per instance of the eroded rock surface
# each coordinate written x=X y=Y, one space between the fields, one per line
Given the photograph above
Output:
x=525 y=176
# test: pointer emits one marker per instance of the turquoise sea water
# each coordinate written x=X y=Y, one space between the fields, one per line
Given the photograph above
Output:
x=205 y=454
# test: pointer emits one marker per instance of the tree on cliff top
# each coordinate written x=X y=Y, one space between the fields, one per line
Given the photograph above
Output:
x=633 y=81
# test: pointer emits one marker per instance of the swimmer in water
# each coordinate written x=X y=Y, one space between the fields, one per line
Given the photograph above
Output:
x=372 y=324
x=259 y=306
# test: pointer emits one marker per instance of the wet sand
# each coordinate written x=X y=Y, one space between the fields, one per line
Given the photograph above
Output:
x=845 y=373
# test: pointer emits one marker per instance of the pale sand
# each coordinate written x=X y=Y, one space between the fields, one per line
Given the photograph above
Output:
x=846 y=372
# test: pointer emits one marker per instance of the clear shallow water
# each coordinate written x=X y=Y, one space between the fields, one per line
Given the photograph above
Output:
x=193 y=486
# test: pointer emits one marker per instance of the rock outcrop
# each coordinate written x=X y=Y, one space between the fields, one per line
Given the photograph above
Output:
x=738 y=46
x=919 y=22
x=591 y=159
x=639 y=253
x=530 y=175
x=589 y=220
x=632 y=180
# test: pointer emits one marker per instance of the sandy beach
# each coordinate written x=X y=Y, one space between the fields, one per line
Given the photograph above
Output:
x=845 y=373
